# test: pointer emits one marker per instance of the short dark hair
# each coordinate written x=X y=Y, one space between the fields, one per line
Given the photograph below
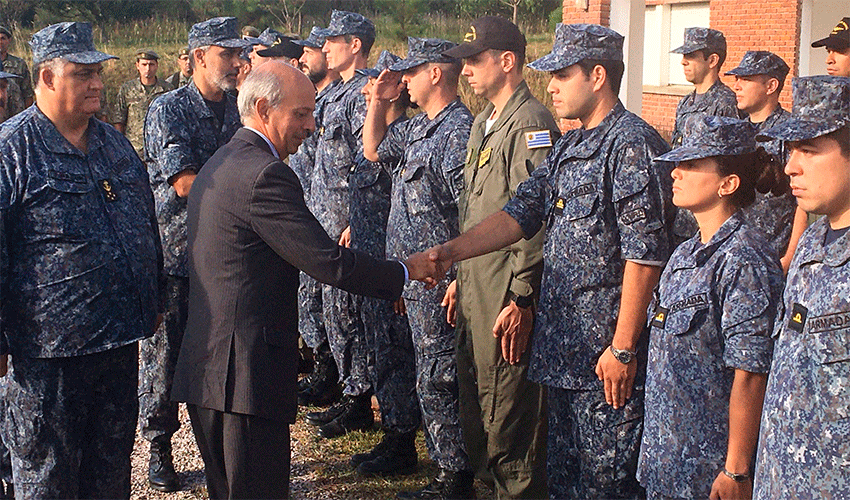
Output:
x=842 y=137
x=451 y=70
x=613 y=71
x=758 y=171
x=721 y=56
x=365 y=43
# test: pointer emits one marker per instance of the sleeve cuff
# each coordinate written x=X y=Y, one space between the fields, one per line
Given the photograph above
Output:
x=406 y=272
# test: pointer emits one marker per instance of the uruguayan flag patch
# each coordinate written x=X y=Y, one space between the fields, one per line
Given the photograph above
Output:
x=539 y=139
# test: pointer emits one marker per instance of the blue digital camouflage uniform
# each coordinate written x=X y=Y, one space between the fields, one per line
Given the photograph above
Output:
x=181 y=133
x=425 y=192
x=718 y=100
x=712 y=314
x=80 y=286
x=603 y=198
x=310 y=314
x=337 y=145
x=804 y=443
x=392 y=367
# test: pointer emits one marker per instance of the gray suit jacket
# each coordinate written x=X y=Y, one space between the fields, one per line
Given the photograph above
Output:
x=249 y=234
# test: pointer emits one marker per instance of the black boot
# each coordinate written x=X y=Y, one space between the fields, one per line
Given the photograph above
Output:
x=318 y=418
x=375 y=452
x=355 y=416
x=447 y=485
x=161 y=475
x=321 y=387
x=398 y=457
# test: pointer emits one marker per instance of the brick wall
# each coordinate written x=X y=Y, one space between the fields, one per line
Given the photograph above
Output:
x=747 y=25
x=598 y=12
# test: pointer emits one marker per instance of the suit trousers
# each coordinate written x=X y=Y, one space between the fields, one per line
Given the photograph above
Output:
x=245 y=456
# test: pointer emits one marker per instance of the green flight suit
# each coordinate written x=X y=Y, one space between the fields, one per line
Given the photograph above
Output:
x=503 y=414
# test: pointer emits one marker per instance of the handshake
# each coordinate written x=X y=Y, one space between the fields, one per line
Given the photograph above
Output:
x=429 y=266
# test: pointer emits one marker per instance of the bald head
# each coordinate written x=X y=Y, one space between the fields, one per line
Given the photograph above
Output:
x=278 y=100
x=275 y=82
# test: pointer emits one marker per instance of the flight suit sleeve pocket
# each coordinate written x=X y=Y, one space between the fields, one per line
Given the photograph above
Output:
x=832 y=352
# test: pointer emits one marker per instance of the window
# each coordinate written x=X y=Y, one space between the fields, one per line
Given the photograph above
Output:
x=665 y=25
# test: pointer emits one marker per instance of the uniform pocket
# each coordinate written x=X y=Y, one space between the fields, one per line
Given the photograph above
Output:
x=832 y=353
x=580 y=207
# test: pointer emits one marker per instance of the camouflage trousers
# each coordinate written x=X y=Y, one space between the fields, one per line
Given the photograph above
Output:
x=346 y=339
x=392 y=367
x=436 y=379
x=310 y=314
x=157 y=359
x=651 y=495
x=70 y=424
x=592 y=448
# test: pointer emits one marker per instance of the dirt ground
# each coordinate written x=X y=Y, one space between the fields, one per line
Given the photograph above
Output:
x=320 y=467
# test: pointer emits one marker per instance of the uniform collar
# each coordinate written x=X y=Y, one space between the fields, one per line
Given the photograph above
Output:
x=777 y=115
x=835 y=255
x=588 y=147
x=198 y=101
x=698 y=256
x=356 y=82
x=520 y=95
x=430 y=125
x=55 y=142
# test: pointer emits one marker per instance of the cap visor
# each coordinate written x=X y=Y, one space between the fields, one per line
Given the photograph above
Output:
x=553 y=62
x=794 y=129
x=686 y=153
x=686 y=49
x=740 y=72
x=464 y=50
x=233 y=43
x=3 y=74
x=325 y=33
x=306 y=43
x=370 y=72
x=406 y=64
x=90 y=57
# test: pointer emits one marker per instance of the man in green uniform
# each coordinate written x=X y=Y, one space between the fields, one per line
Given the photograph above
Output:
x=16 y=66
x=503 y=414
x=183 y=75
x=128 y=115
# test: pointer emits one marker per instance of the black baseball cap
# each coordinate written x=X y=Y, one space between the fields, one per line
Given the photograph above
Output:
x=838 y=38
x=489 y=32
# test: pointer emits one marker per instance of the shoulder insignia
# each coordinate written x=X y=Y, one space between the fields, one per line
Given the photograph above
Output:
x=539 y=139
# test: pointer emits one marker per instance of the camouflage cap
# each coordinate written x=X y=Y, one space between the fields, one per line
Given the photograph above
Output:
x=839 y=37
x=147 y=55
x=268 y=37
x=220 y=31
x=424 y=50
x=577 y=42
x=5 y=31
x=385 y=60
x=282 y=47
x=69 y=40
x=821 y=106
x=707 y=39
x=348 y=23
x=711 y=135
x=313 y=41
x=761 y=62
x=490 y=32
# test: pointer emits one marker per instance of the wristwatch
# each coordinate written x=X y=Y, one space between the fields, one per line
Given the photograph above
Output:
x=523 y=302
x=624 y=356
x=738 y=478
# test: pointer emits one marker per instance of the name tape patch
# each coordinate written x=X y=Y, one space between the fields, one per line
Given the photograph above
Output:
x=829 y=322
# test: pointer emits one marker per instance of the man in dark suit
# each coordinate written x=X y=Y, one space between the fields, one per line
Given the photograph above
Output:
x=249 y=234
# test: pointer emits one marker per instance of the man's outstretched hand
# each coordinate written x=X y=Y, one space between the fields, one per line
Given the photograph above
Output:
x=429 y=266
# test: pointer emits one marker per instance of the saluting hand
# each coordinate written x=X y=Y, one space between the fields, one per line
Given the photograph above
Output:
x=388 y=86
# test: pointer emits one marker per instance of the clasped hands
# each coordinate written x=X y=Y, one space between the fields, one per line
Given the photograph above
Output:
x=429 y=266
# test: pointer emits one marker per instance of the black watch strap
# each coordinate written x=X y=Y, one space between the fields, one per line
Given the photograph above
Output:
x=521 y=301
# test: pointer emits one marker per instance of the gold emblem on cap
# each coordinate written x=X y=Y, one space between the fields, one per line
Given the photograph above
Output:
x=842 y=26
x=471 y=36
